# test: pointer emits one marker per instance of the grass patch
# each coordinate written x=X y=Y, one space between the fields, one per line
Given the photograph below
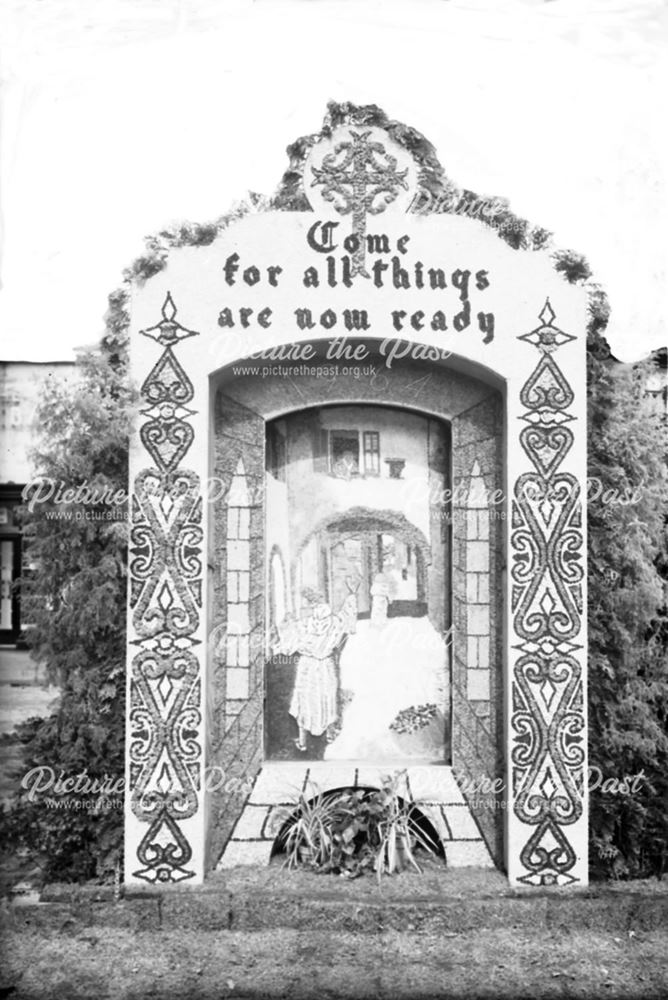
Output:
x=306 y=964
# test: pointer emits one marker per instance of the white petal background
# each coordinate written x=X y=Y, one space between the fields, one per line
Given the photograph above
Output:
x=121 y=116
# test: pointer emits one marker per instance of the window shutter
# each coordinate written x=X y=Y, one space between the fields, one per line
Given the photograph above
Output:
x=320 y=450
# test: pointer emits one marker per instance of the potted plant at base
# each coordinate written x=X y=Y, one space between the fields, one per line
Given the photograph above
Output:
x=398 y=833
x=374 y=830
x=395 y=853
x=308 y=840
x=356 y=830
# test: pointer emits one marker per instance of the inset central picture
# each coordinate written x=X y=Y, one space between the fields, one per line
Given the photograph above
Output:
x=358 y=543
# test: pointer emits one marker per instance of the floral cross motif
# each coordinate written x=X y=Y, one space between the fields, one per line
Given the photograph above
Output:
x=359 y=177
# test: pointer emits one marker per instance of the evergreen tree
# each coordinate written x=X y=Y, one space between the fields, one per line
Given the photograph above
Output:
x=628 y=623
x=74 y=598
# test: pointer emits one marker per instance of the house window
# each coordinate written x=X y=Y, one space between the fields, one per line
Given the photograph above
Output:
x=344 y=454
x=372 y=453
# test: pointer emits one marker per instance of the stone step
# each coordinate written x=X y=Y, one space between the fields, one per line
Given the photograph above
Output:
x=455 y=902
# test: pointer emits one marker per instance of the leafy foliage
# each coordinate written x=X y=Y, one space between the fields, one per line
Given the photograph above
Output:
x=628 y=621
x=356 y=830
x=309 y=837
x=74 y=599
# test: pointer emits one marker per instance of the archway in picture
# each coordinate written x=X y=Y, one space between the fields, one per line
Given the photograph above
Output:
x=359 y=667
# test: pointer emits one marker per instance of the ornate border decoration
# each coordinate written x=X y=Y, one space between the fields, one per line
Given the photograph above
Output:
x=547 y=725
x=367 y=171
x=165 y=752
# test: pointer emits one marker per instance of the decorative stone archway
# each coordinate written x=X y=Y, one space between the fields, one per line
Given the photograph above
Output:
x=469 y=304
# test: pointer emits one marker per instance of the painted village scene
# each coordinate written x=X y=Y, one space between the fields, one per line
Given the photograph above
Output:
x=354 y=557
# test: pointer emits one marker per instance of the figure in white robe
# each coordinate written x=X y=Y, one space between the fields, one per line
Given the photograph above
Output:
x=314 y=698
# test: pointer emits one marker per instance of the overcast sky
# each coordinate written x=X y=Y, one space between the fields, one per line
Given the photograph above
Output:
x=121 y=116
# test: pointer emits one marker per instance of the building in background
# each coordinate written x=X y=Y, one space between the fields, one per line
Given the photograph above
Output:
x=657 y=383
x=21 y=386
